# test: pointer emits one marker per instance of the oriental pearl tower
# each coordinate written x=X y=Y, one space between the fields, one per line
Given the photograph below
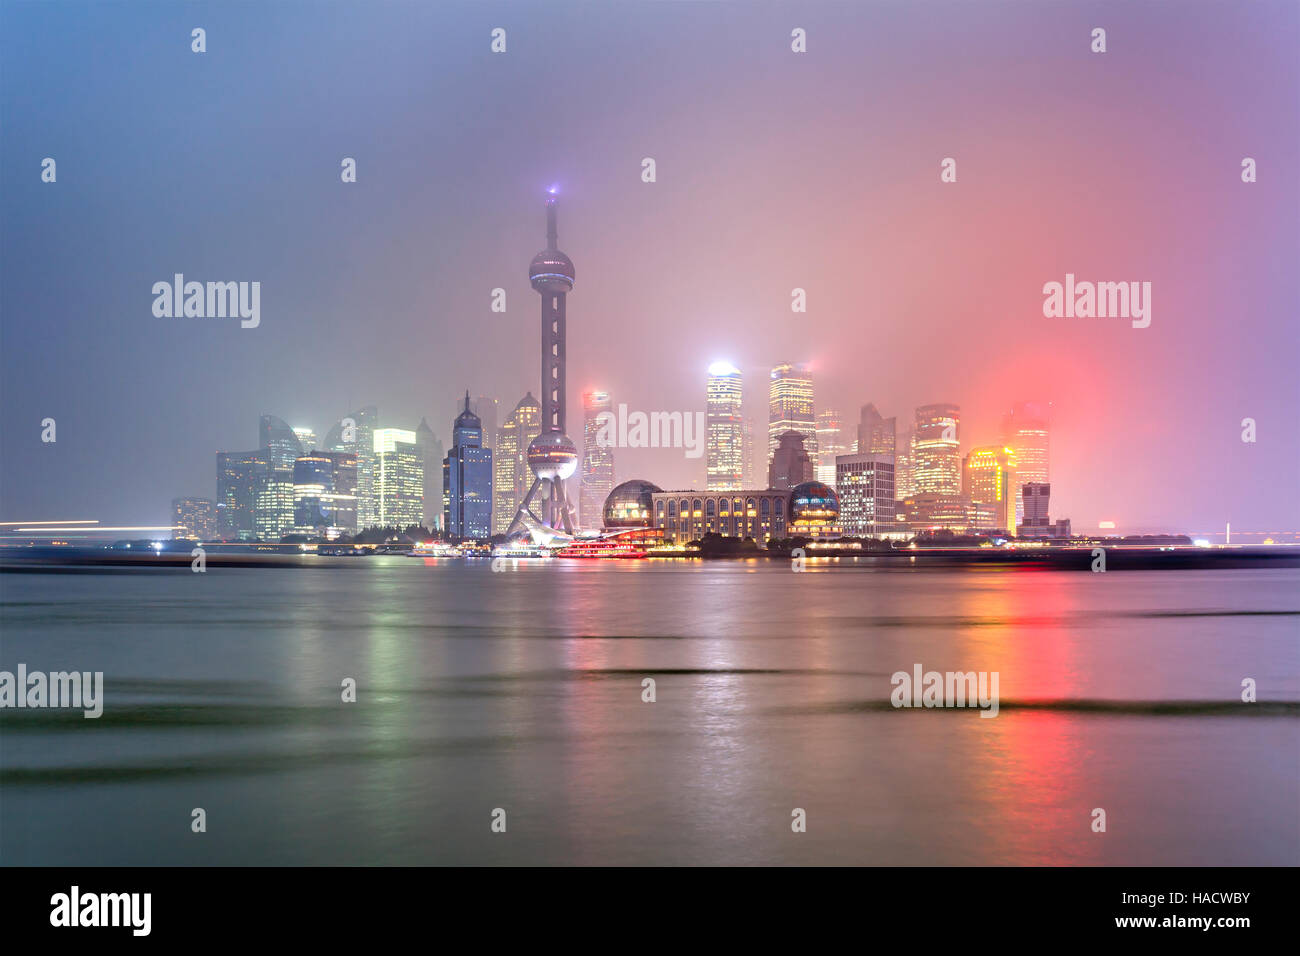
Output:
x=552 y=455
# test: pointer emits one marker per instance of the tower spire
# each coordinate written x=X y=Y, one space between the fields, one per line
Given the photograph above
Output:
x=552 y=233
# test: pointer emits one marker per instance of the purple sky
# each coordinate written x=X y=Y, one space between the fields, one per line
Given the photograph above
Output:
x=775 y=170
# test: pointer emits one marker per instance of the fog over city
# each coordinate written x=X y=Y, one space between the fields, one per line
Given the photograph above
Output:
x=774 y=172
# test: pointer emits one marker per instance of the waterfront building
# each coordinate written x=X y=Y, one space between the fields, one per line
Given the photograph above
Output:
x=431 y=455
x=1035 y=520
x=273 y=503
x=865 y=485
x=325 y=494
x=989 y=478
x=194 y=518
x=830 y=444
x=1026 y=431
x=689 y=515
x=814 y=511
x=354 y=434
x=399 y=478
x=236 y=504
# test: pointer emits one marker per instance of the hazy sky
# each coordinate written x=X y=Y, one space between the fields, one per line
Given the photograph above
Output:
x=775 y=170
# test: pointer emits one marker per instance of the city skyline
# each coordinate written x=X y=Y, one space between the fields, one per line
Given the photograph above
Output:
x=917 y=291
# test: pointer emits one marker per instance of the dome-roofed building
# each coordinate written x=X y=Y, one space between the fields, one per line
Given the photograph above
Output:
x=814 y=509
x=630 y=505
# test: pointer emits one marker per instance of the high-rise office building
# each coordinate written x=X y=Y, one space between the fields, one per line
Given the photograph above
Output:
x=904 y=486
x=236 y=502
x=990 y=479
x=273 y=502
x=325 y=494
x=306 y=439
x=865 y=485
x=597 y=461
x=1036 y=520
x=194 y=518
x=790 y=406
x=467 y=479
x=877 y=435
x=830 y=444
x=724 y=429
x=399 y=478
x=1026 y=431
x=354 y=434
x=431 y=455
x=279 y=441
x=790 y=465
x=510 y=474
x=936 y=450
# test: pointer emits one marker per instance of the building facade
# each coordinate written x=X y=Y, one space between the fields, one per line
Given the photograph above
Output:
x=865 y=484
x=791 y=464
x=431 y=455
x=989 y=478
x=467 y=480
x=194 y=518
x=597 y=462
x=398 y=478
x=689 y=515
x=325 y=494
x=830 y=444
x=790 y=406
x=511 y=475
x=724 y=428
x=936 y=450
x=1026 y=431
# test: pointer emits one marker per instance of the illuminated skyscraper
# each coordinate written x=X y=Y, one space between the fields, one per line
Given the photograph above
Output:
x=306 y=439
x=467 y=480
x=865 y=485
x=990 y=479
x=510 y=475
x=1035 y=495
x=325 y=494
x=724 y=429
x=597 y=461
x=1026 y=430
x=552 y=455
x=354 y=434
x=936 y=450
x=194 y=518
x=236 y=497
x=790 y=406
x=399 y=478
x=279 y=441
x=273 y=499
x=830 y=443
x=876 y=434
x=749 y=472
x=904 y=486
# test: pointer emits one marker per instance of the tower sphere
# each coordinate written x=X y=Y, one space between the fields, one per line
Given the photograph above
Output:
x=812 y=501
x=551 y=272
x=630 y=504
x=552 y=455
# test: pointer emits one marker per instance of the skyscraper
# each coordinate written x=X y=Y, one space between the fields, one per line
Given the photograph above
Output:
x=876 y=434
x=467 y=480
x=790 y=465
x=1035 y=495
x=399 y=478
x=552 y=455
x=273 y=503
x=936 y=450
x=354 y=434
x=725 y=429
x=597 y=461
x=236 y=498
x=865 y=484
x=487 y=410
x=790 y=406
x=279 y=441
x=306 y=439
x=830 y=443
x=1026 y=431
x=194 y=518
x=904 y=486
x=431 y=453
x=510 y=474
x=990 y=479
x=748 y=472
x=325 y=494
